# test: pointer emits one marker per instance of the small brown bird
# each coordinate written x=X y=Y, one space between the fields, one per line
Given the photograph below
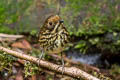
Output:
x=53 y=36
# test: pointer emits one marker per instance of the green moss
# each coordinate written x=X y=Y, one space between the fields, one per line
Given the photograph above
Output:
x=10 y=13
x=30 y=69
x=91 y=18
x=115 y=70
x=6 y=62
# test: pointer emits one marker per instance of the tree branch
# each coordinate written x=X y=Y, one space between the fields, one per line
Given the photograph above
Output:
x=11 y=36
x=71 y=71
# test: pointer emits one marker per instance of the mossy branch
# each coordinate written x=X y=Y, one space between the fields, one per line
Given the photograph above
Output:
x=70 y=71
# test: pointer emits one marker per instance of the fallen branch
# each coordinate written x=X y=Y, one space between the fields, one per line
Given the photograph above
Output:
x=71 y=71
x=6 y=37
x=11 y=36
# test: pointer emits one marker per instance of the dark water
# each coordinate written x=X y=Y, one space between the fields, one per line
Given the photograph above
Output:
x=91 y=59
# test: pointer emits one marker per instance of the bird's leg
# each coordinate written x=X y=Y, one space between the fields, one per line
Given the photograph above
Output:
x=41 y=55
x=62 y=60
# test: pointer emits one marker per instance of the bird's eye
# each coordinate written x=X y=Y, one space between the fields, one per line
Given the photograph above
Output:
x=50 y=23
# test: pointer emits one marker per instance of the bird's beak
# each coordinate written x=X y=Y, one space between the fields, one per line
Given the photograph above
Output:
x=61 y=21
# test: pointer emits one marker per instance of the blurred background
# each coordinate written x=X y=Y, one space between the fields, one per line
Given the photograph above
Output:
x=94 y=26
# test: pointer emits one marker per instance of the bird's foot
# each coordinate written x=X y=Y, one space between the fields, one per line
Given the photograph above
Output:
x=38 y=61
x=63 y=69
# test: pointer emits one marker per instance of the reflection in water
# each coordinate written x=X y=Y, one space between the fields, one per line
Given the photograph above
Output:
x=91 y=59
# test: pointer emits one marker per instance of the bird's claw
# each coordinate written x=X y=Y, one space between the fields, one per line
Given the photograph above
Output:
x=63 y=69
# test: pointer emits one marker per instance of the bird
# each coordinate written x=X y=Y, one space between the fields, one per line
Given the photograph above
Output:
x=54 y=37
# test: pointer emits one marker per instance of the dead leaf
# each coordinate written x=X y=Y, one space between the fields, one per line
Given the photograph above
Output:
x=24 y=44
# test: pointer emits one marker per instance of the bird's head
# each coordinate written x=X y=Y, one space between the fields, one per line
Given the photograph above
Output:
x=53 y=23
